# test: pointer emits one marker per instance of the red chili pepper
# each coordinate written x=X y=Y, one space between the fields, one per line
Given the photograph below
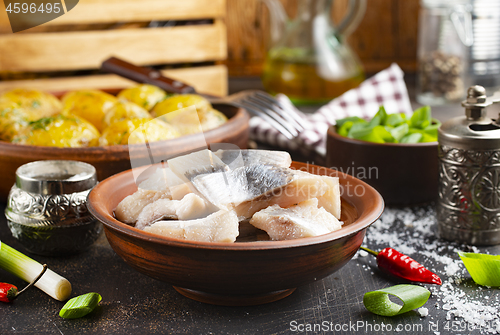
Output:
x=403 y=266
x=8 y=292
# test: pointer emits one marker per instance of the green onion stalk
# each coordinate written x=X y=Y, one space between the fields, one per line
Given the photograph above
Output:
x=28 y=269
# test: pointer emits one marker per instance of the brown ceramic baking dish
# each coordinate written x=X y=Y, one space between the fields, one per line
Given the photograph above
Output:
x=240 y=273
x=113 y=159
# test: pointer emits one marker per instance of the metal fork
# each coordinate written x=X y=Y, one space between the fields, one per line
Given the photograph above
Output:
x=285 y=119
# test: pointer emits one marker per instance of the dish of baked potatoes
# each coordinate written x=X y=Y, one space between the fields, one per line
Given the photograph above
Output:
x=86 y=118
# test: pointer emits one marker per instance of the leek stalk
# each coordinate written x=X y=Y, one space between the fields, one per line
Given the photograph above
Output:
x=28 y=269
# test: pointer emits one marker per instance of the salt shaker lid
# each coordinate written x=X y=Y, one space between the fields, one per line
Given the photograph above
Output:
x=474 y=130
x=56 y=177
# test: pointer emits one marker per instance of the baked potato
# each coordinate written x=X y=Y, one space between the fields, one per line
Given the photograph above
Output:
x=191 y=121
x=33 y=103
x=125 y=110
x=59 y=131
x=90 y=105
x=144 y=95
x=12 y=120
x=179 y=101
x=136 y=131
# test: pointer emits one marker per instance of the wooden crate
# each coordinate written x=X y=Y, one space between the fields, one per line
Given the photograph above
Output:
x=61 y=45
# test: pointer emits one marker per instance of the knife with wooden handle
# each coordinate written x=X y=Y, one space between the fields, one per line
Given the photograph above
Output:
x=144 y=75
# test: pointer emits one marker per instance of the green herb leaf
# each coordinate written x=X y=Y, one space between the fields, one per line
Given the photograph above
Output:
x=483 y=268
x=340 y=122
x=360 y=130
x=411 y=138
x=394 y=120
x=379 y=118
x=80 y=306
x=400 y=131
x=421 y=118
x=343 y=130
x=412 y=297
x=383 y=133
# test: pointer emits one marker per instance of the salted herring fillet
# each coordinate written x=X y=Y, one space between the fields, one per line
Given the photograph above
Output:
x=302 y=220
x=177 y=187
x=238 y=158
x=155 y=211
x=188 y=208
x=131 y=206
x=157 y=181
x=251 y=188
x=221 y=226
x=331 y=199
x=200 y=162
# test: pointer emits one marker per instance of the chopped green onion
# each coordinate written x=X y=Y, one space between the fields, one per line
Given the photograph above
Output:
x=341 y=122
x=483 y=268
x=412 y=296
x=411 y=138
x=394 y=119
x=392 y=128
x=80 y=306
x=421 y=117
x=400 y=131
x=28 y=269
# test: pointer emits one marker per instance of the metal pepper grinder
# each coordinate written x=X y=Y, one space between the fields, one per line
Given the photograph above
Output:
x=468 y=208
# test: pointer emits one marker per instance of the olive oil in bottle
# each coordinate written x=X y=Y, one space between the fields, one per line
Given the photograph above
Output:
x=302 y=82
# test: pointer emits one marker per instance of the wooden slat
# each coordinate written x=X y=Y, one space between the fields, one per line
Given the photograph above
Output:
x=206 y=79
x=109 y=11
x=99 y=11
x=86 y=50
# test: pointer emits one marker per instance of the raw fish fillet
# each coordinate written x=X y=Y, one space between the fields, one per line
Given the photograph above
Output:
x=331 y=199
x=163 y=179
x=131 y=206
x=221 y=226
x=302 y=220
x=177 y=187
x=251 y=188
x=157 y=181
x=194 y=207
x=238 y=158
x=190 y=207
x=158 y=210
x=191 y=165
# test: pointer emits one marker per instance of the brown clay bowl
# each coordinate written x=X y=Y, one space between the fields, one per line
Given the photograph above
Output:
x=113 y=159
x=404 y=174
x=240 y=273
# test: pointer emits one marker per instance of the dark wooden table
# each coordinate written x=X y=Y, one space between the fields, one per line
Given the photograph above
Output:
x=136 y=304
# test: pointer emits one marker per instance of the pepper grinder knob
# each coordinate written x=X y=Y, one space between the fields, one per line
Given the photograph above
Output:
x=476 y=94
x=476 y=103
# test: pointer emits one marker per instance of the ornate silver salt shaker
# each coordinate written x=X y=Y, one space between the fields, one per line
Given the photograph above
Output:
x=47 y=207
x=468 y=208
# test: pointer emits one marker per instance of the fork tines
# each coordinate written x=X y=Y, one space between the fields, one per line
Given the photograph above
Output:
x=284 y=119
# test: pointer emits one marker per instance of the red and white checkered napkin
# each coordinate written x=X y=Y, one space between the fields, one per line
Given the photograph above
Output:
x=386 y=88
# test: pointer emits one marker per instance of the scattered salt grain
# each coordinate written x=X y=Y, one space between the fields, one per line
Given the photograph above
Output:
x=363 y=253
x=423 y=311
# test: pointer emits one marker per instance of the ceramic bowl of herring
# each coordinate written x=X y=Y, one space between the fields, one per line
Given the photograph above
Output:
x=235 y=227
